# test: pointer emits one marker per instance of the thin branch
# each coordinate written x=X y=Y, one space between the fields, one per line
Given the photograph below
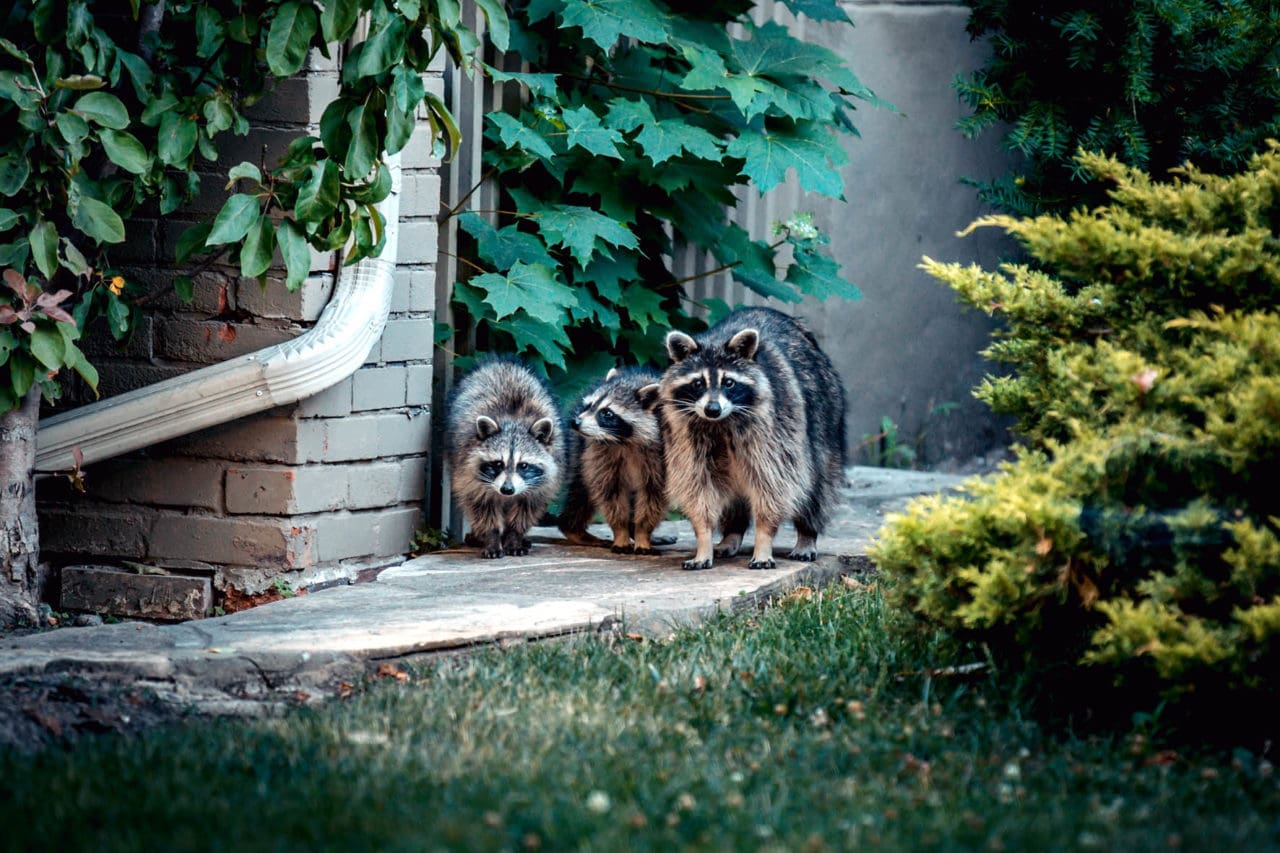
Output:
x=453 y=210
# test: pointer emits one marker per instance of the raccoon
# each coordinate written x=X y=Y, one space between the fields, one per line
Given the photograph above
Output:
x=619 y=464
x=506 y=448
x=754 y=426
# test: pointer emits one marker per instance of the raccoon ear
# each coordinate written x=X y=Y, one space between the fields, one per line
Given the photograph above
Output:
x=744 y=344
x=486 y=426
x=542 y=430
x=613 y=371
x=680 y=346
x=647 y=396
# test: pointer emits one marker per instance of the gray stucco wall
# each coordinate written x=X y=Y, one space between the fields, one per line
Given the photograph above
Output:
x=907 y=346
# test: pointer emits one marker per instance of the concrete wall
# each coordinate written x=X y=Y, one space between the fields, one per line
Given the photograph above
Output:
x=309 y=492
x=907 y=346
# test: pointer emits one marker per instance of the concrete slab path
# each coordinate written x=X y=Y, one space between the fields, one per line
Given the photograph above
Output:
x=306 y=645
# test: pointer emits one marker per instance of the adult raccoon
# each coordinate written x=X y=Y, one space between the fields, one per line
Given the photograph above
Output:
x=619 y=466
x=506 y=448
x=754 y=426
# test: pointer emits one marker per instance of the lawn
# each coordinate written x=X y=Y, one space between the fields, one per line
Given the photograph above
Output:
x=811 y=725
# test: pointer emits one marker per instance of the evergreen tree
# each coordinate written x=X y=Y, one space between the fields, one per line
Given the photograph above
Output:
x=1154 y=83
x=1138 y=535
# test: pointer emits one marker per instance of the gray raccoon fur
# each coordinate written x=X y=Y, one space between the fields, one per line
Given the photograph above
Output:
x=763 y=435
x=619 y=465
x=506 y=448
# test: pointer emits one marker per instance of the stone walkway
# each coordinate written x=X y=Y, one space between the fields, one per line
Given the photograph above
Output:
x=305 y=647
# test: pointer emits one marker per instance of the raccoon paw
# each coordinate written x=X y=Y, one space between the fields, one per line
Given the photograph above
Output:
x=518 y=551
x=491 y=553
x=762 y=564
x=646 y=552
x=582 y=537
x=806 y=556
x=695 y=565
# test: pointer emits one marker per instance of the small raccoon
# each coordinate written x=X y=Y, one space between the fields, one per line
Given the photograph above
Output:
x=506 y=448
x=753 y=426
x=620 y=469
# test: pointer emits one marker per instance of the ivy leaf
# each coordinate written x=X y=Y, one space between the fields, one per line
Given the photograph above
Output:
x=244 y=169
x=605 y=21
x=259 y=246
x=72 y=127
x=662 y=140
x=124 y=149
x=177 y=138
x=44 y=247
x=76 y=361
x=805 y=147
x=586 y=132
x=233 y=221
x=14 y=170
x=577 y=229
x=296 y=252
x=318 y=195
x=103 y=108
x=515 y=135
x=290 y=36
x=533 y=287
x=95 y=218
x=191 y=241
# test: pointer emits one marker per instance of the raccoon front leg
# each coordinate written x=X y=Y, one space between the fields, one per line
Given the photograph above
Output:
x=519 y=518
x=806 y=549
x=578 y=509
x=650 y=509
x=733 y=524
x=762 y=555
x=616 y=508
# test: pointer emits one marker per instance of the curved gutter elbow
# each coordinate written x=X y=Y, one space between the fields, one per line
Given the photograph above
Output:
x=325 y=354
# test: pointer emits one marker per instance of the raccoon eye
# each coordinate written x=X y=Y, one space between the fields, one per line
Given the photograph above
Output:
x=522 y=467
x=728 y=383
x=698 y=384
x=605 y=414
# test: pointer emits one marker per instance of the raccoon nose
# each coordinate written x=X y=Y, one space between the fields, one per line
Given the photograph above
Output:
x=507 y=489
x=712 y=409
x=576 y=423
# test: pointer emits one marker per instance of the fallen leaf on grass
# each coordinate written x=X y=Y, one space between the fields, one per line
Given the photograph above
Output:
x=390 y=670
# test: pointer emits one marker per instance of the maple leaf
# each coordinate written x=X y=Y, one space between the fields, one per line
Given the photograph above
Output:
x=805 y=147
x=578 y=228
x=605 y=21
x=516 y=135
x=586 y=132
x=533 y=287
x=502 y=247
x=548 y=340
x=662 y=140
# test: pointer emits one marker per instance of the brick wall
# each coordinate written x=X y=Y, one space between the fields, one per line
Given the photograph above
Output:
x=309 y=492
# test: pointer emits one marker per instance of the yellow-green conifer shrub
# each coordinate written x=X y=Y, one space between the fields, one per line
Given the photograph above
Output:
x=1137 y=535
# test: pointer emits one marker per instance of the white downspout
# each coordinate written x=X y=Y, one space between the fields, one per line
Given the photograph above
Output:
x=322 y=356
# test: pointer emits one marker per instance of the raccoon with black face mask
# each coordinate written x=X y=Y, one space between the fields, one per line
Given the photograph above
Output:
x=620 y=469
x=754 y=426
x=506 y=448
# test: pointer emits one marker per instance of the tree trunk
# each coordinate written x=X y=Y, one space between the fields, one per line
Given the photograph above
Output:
x=20 y=576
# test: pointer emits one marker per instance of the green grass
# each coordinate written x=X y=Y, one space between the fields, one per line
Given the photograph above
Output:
x=809 y=726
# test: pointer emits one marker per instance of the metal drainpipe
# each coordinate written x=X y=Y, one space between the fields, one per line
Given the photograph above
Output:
x=322 y=356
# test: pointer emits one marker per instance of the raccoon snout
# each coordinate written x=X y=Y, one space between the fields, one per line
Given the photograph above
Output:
x=507 y=489
x=712 y=410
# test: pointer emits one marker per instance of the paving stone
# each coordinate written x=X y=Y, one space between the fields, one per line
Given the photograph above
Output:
x=104 y=589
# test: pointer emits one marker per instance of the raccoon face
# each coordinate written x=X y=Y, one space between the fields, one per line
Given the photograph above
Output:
x=714 y=393
x=714 y=384
x=511 y=459
x=599 y=420
x=617 y=412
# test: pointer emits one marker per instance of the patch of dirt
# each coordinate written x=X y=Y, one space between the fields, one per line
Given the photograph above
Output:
x=48 y=710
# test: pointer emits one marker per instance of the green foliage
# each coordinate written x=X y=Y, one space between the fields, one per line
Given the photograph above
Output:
x=109 y=118
x=636 y=121
x=1154 y=83
x=1137 y=535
